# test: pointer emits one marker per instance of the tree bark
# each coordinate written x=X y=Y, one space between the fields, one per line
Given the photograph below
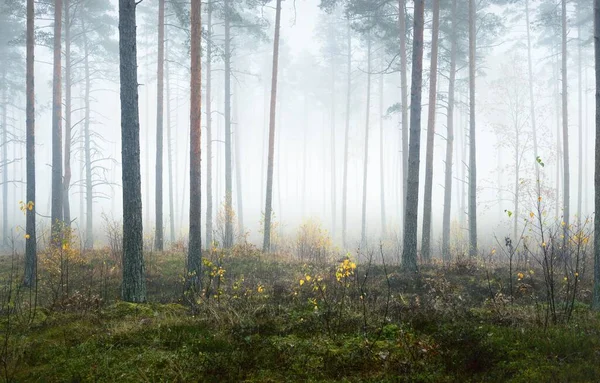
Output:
x=346 y=136
x=381 y=155
x=449 y=142
x=565 y=125
x=209 y=153
x=580 y=119
x=531 y=100
x=134 y=283
x=238 y=164
x=363 y=236
x=426 y=235
x=30 y=229
x=228 y=240
x=159 y=234
x=170 y=151
x=194 y=261
x=4 y=162
x=596 y=289
x=57 y=184
x=269 y=198
x=68 y=115
x=472 y=142
x=89 y=216
x=333 y=142
x=403 y=101
x=409 y=255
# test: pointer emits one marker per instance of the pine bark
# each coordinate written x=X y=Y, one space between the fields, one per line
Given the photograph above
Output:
x=194 y=261
x=170 y=151
x=30 y=229
x=209 y=153
x=449 y=142
x=596 y=289
x=68 y=114
x=404 y=101
x=238 y=165
x=382 y=156
x=134 y=283
x=363 y=236
x=426 y=236
x=228 y=240
x=346 y=136
x=565 y=124
x=472 y=142
x=57 y=184
x=4 y=163
x=531 y=99
x=409 y=255
x=269 y=197
x=159 y=234
x=89 y=216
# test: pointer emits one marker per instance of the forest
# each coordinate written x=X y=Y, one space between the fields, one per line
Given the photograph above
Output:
x=299 y=190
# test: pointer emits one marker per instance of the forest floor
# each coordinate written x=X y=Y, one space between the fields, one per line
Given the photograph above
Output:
x=266 y=319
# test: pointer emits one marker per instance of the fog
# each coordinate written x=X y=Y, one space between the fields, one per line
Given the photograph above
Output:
x=311 y=121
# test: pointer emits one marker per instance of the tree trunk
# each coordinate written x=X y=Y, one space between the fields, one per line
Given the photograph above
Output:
x=4 y=163
x=304 y=154
x=558 y=140
x=449 y=142
x=409 y=255
x=170 y=152
x=580 y=119
x=333 y=167
x=426 y=239
x=517 y=184
x=209 y=153
x=238 y=164
x=346 y=137
x=57 y=184
x=596 y=289
x=194 y=261
x=31 y=241
x=89 y=216
x=472 y=142
x=531 y=100
x=363 y=236
x=403 y=101
x=381 y=155
x=565 y=125
x=134 y=283
x=228 y=240
x=159 y=235
x=269 y=198
x=68 y=112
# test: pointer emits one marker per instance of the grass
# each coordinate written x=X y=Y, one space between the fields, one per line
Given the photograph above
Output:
x=257 y=323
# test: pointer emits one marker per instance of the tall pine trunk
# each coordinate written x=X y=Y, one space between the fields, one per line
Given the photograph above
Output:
x=381 y=155
x=333 y=142
x=30 y=230
x=228 y=240
x=194 y=261
x=159 y=234
x=580 y=118
x=531 y=99
x=346 y=135
x=269 y=197
x=134 y=282
x=426 y=239
x=409 y=255
x=403 y=102
x=57 y=184
x=208 y=103
x=363 y=235
x=565 y=124
x=68 y=115
x=89 y=217
x=170 y=151
x=472 y=141
x=596 y=289
x=449 y=142
x=4 y=163
x=238 y=164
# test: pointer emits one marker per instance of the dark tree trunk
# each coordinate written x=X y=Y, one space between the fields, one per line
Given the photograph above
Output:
x=363 y=235
x=238 y=164
x=409 y=256
x=403 y=102
x=159 y=235
x=426 y=239
x=596 y=289
x=134 y=283
x=68 y=115
x=170 y=153
x=209 y=153
x=57 y=184
x=194 y=261
x=449 y=142
x=89 y=217
x=269 y=198
x=31 y=241
x=346 y=138
x=472 y=142
x=228 y=240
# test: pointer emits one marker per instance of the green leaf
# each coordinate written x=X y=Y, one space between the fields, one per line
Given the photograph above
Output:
x=510 y=213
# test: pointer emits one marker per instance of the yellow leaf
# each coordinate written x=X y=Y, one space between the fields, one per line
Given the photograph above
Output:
x=301 y=282
x=531 y=214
